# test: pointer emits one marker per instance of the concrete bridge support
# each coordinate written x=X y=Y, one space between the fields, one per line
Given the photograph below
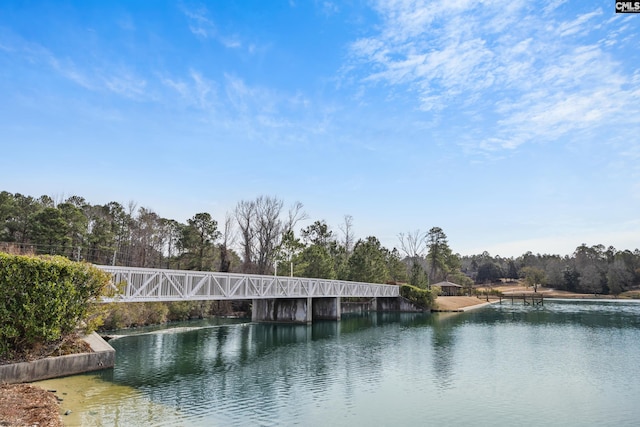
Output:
x=305 y=310
x=326 y=308
x=296 y=310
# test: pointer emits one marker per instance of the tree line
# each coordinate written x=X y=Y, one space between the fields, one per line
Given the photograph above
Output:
x=263 y=236
x=590 y=269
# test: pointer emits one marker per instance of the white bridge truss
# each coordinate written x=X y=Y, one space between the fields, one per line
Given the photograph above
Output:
x=147 y=284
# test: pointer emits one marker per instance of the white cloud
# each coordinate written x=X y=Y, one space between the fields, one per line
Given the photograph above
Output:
x=126 y=84
x=202 y=89
x=120 y=80
x=524 y=72
x=69 y=70
x=578 y=25
x=196 y=90
x=202 y=26
x=199 y=22
x=329 y=8
x=35 y=53
x=231 y=42
x=259 y=113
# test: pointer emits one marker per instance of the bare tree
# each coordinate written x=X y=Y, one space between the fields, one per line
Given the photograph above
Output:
x=245 y=214
x=347 y=231
x=132 y=207
x=228 y=240
x=172 y=230
x=413 y=244
x=261 y=229
x=296 y=214
x=146 y=239
x=268 y=230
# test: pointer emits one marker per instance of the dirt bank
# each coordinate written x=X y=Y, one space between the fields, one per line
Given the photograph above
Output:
x=26 y=405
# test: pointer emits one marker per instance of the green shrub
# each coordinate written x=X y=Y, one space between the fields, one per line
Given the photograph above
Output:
x=202 y=309
x=123 y=315
x=179 y=310
x=485 y=292
x=154 y=313
x=117 y=317
x=43 y=299
x=422 y=297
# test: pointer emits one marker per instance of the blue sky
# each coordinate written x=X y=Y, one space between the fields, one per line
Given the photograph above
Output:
x=513 y=126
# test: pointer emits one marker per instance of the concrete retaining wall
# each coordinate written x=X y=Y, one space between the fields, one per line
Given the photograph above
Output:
x=399 y=304
x=103 y=357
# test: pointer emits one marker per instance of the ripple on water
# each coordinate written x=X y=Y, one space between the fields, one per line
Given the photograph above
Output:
x=94 y=402
x=496 y=366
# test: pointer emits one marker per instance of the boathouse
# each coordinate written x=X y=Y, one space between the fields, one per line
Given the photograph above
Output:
x=449 y=289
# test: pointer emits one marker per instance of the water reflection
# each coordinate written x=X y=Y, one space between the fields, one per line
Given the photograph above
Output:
x=258 y=366
x=443 y=339
x=391 y=368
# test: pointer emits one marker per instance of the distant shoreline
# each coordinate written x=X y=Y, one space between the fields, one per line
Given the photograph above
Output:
x=466 y=303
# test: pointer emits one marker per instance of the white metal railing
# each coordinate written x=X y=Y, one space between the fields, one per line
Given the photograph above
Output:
x=148 y=284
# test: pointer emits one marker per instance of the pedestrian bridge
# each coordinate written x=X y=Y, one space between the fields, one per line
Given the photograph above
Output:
x=275 y=298
x=147 y=284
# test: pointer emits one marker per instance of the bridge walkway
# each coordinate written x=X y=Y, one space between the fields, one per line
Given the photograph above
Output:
x=132 y=284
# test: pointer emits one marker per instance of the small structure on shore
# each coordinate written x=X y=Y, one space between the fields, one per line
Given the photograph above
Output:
x=449 y=289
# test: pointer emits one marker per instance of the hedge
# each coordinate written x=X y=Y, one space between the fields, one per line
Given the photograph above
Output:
x=44 y=299
x=422 y=297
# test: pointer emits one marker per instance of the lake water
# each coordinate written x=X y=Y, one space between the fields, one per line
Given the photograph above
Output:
x=569 y=363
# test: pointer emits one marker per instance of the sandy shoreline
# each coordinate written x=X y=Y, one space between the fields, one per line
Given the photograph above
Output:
x=462 y=303
x=459 y=304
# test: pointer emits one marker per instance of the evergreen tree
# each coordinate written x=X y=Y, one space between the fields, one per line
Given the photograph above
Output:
x=368 y=262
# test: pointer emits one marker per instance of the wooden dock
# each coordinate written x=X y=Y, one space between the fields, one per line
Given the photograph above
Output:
x=527 y=299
